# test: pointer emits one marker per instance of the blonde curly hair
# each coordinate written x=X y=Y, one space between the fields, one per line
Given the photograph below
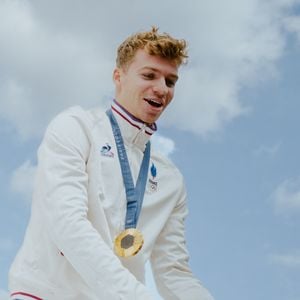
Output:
x=154 y=43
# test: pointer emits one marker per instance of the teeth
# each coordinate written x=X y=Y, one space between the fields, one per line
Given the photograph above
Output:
x=153 y=102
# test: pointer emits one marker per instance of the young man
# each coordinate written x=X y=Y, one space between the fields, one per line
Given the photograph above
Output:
x=104 y=203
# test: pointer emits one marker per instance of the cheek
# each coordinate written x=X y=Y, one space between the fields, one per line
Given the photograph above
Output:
x=170 y=95
x=137 y=86
x=144 y=85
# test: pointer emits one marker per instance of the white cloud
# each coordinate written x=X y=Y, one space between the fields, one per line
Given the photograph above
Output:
x=267 y=150
x=292 y=24
x=4 y=295
x=44 y=70
x=163 y=144
x=286 y=197
x=52 y=56
x=286 y=260
x=22 y=180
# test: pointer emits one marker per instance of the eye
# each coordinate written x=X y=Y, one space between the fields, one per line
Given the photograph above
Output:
x=149 y=76
x=170 y=82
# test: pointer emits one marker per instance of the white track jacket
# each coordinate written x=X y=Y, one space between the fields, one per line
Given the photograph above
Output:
x=79 y=207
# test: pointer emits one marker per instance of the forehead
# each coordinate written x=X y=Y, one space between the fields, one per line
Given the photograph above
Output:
x=143 y=60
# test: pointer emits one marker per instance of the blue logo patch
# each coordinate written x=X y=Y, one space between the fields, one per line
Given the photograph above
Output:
x=106 y=151
x=152 y=182
x=153 y=171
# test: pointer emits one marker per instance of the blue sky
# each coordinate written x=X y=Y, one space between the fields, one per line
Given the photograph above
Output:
x=232 y=128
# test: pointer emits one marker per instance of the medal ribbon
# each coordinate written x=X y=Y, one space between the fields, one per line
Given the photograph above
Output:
x=134 y=195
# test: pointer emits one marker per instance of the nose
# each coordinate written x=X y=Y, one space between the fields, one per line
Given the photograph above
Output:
x=160 y=88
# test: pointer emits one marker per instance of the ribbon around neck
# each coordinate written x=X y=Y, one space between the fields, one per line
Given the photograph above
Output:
x=134 y=194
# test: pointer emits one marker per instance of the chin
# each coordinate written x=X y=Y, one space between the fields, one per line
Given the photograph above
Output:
x=145 y=119
x=150 y=120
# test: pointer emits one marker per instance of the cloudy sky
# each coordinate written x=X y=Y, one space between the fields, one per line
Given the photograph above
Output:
x=232 y=128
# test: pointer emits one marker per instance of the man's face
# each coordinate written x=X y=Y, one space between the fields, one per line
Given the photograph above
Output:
x=146 y=86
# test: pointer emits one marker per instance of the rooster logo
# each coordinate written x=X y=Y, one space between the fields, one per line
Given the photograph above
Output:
x=106 y=151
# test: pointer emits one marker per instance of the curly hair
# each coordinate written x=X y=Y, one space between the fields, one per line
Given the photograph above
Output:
x=154 y=43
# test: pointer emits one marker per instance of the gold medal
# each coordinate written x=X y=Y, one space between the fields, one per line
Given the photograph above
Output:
x=129 y=242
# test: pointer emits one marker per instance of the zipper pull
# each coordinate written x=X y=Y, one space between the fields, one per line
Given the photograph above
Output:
x=142 y=130
x=143 y=127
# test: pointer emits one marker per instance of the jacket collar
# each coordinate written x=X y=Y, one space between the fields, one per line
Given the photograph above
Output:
x=134 y=131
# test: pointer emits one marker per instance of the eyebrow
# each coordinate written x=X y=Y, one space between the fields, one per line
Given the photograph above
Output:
x=174 y=76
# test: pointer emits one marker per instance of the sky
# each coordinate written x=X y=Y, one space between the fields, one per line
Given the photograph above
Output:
x=232 y=128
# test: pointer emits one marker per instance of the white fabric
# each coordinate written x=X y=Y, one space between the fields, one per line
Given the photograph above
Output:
x=79 y=207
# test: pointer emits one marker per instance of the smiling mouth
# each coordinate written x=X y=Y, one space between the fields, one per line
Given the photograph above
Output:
x=153 y=102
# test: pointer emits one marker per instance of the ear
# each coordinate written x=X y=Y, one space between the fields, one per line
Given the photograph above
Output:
x=117 y=76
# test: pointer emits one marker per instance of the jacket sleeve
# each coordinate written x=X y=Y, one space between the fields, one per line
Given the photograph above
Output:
x=169 y=259
x=63 y=200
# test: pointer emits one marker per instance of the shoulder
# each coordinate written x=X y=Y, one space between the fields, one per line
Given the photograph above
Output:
x=76 y=117
x=72 y=129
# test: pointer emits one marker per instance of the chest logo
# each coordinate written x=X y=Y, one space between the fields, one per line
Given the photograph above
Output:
x=106 y=151
x=152 y=180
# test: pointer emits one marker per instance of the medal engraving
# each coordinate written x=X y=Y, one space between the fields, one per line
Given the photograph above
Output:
x=128 y=242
